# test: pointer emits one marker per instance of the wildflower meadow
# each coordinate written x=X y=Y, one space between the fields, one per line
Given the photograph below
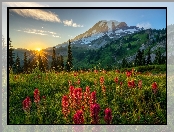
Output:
x=87 y=97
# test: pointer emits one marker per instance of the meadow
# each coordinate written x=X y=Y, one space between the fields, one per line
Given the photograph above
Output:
x=87 y=97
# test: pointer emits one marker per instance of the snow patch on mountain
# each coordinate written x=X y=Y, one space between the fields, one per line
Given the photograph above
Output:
x=112 y=29
x=119 y=31
x=131 y=30
x=109 y=33
x=90 y=39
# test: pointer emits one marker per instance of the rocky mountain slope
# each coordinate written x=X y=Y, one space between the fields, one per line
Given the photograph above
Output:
x=101 y=33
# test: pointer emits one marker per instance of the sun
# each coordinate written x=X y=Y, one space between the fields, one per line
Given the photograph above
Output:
x=38 y=49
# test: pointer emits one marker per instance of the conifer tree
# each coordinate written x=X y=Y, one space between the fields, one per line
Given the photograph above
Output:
x=41 y=65
x=17 y=64
x=148 y=61
x=29 y=65
x=58 y=66
x=25 y=67
x=143 y=58
x=61 y=62
x=11 y=55
x=158 y=58
x=124 y=63
x=53 y=63
x=69 y=63
x=138 y=58
x=46 y=64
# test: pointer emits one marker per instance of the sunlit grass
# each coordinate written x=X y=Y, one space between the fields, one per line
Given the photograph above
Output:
x=128 y=105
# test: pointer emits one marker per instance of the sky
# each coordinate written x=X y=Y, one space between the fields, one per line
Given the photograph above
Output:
x=42 y=28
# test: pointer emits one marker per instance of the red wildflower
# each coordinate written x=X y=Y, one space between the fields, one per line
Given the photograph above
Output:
x=71 y=95
x=75 y=74
x=131 y=84
x=78 y=82
x=87 y=89
x=117 y=71
x=102 y=80
x=26 y=104
x=154 y=87
x=36 y=96
x=95 y=71
x=108 y=116
x=94 y=113
x=78 y=117
x=128 y=73
x=140 y=84
x=77 y=93
x=44 y=97
x=121 y=83
x=116 y=79
x=65 y=105
x=71 y=89
x=87 y=95
x=103 y=89
x=93 y=97
x=77 y=97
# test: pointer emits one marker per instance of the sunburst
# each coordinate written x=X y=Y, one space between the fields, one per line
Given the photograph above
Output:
x=38 y=49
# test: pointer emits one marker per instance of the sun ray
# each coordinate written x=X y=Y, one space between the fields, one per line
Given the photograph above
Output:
x=38 y=49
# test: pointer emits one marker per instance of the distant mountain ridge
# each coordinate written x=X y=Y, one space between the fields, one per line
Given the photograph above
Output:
x=102 y=30
x=115 y=41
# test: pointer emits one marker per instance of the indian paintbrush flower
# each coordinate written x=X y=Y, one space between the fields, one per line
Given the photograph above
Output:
x=102 y=80
x=36 y=96
x=116 y=79
x=78 y=117
x=65 y=106
x=26 y=104
x=154 y=87
x=108 y=115
x=131 y=84
x=93 y=97
x=94 y=113
x=140 y=84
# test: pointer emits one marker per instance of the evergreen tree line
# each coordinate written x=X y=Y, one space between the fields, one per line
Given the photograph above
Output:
x=91 y=57
x=40 y=61
x=141 y=59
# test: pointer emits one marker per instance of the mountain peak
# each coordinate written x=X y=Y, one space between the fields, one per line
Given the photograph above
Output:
x=104 y=30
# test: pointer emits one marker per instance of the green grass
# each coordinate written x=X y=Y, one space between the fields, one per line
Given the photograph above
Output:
x=128 y=105
x=154 y=69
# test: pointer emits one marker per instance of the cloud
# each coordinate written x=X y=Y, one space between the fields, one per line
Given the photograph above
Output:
x=146 y=25
x=56 y=36
x=70 y=23
x=39 y=32
x=34 y=31
x=37 y=14
x=52 y=32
